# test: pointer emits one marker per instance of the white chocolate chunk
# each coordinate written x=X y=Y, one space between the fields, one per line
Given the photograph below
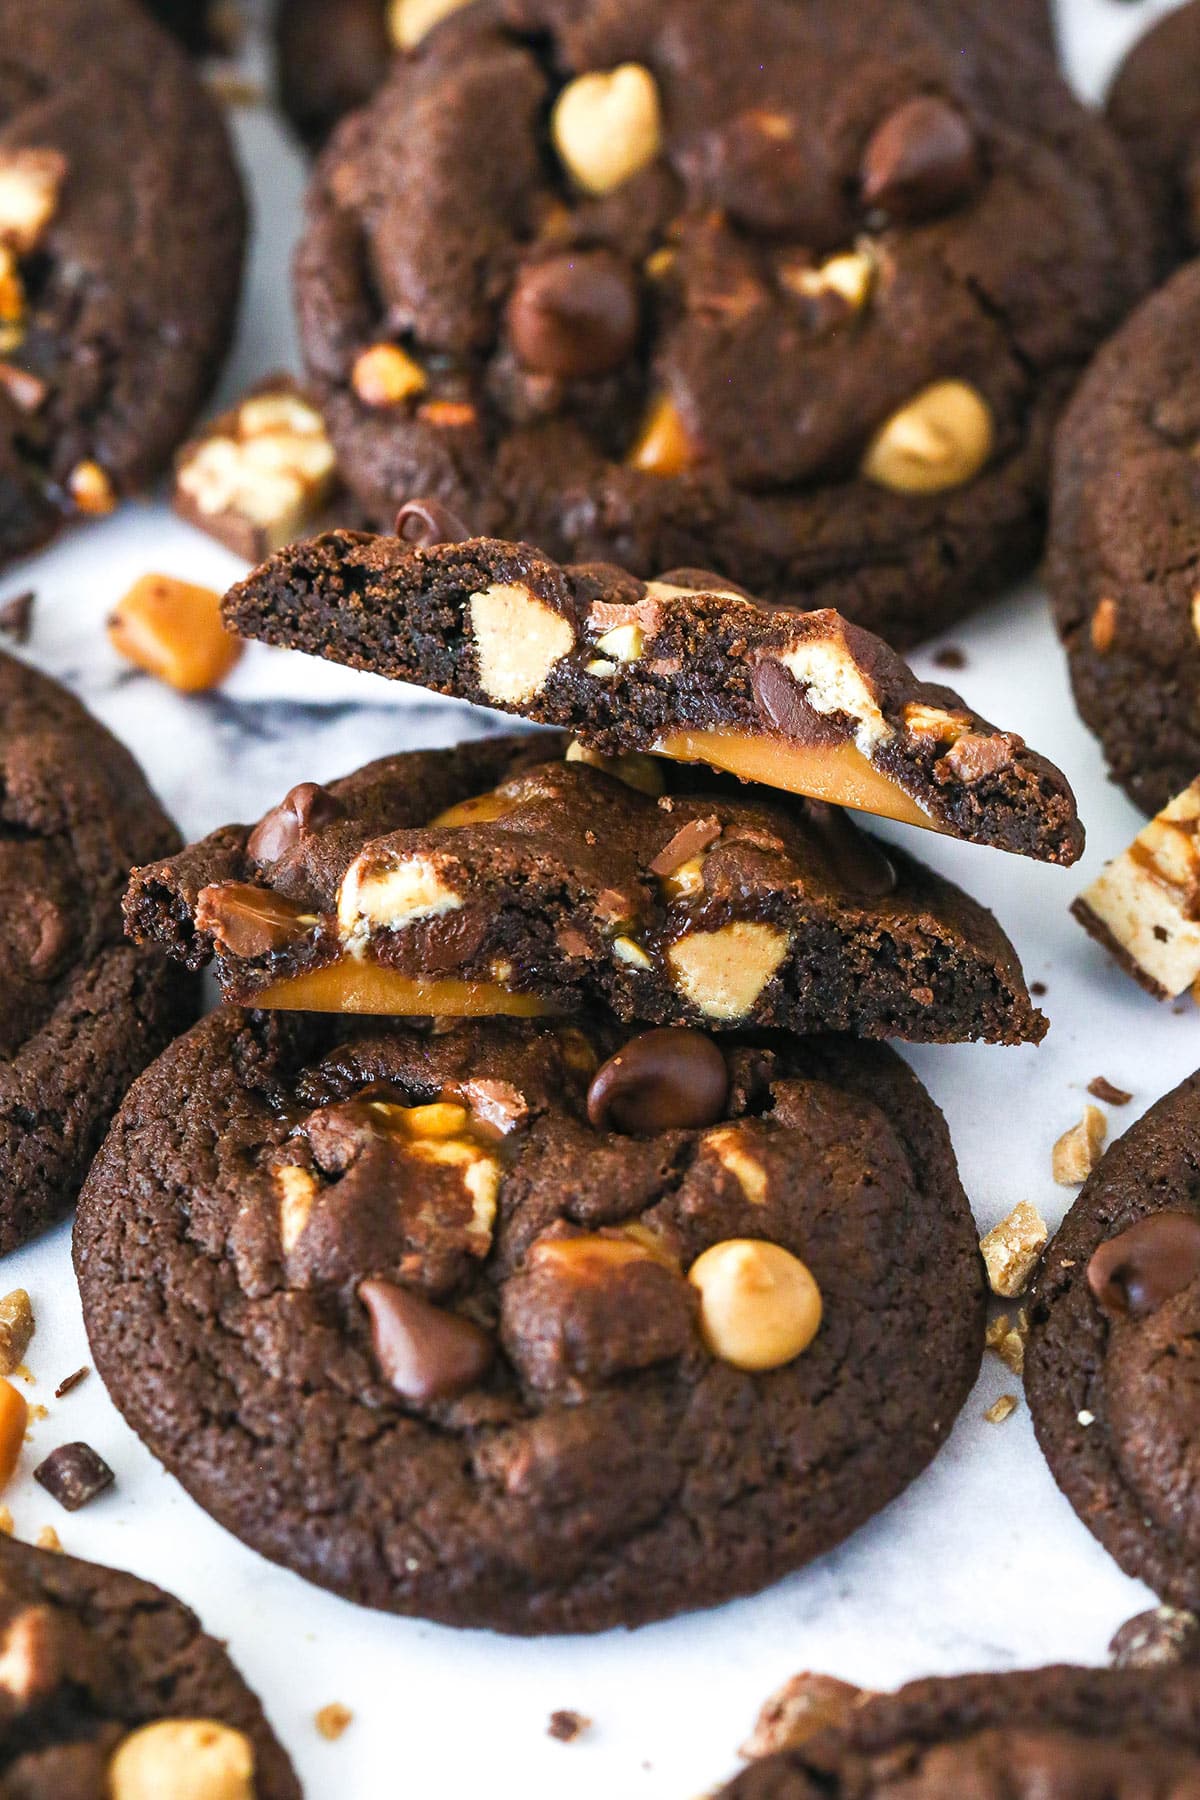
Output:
x=723 y=972
x=834 y=683
x=518 y=640
x=390 y=897
x=1148 y=898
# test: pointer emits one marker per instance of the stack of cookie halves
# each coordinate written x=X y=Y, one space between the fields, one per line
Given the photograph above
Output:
x=571 y=1250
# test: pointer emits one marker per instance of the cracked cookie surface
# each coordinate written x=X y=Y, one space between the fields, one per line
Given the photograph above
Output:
x=81 y=1011
x=499 y=1324
x=503 y=863
x=110 y=1688
x=1123 y=564
x=1111 y=1367
x=121 y=226
x=1031 y=1735
x=793 y=291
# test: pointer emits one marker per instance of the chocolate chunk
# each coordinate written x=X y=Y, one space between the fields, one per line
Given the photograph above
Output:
x=16 y=616
x=1163 y=1638
x=666 y=1080
x=246 y=920
x=74 y=1474
x=781 y=702
x=921 y=160
x=425 y=1352
x=428 y=522
x=687 y=842
x=575 y=316
x=307 y=807
x=71 y=1381
x=1140 y=1269
x=1103 y=1089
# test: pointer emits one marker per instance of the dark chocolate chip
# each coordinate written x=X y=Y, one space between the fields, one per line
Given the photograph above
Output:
x=781 y=702
x=1163 y=1638
x=575 y=315
x=425 y=1352
x=16 y=616
x=1139 y=1270
x=306 y=808
x=425 y=523
x=921 y=160
x=672 y=1079
x=1102 y=1089
x=858 y=861
x=74 y=1474
x=244 y=920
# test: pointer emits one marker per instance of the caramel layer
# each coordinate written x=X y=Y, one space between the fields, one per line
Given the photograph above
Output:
x=350 y=986
x=838 y=773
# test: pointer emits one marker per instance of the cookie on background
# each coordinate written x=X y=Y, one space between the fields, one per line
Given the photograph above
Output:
x=793 y=291
x=112 y=1691
x=503 y=1318
x=683 y=667
x=1111 y=1367
x=81 y=1011
x=1038 y=1734
x=1123 y=563
x=1154 y=108
x=121 y=237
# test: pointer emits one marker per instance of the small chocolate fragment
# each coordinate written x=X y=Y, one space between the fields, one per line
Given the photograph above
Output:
x=425 y=1352
x=671 y=1079
x=305 y=808
x=687 y=842
x=566 y=1726
x=427 y=522
x=1102 y=1089
x=246 y=920
x=73 y=1474
x=920 y=160
x=1163 y=1638
x=575 y=316
x=71 y=1381
x=1137 y=1271
x=16 y=616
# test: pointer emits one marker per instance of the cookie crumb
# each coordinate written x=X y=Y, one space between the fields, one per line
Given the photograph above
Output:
x=1007 y=1339
x=1101 y=1088
x=950 y=656
x=1166 y=1637
x=73 y=1475
x=47 y=1539
x=1001 y=1409
x=71 y=1381
x=16 y=616
x=332 y=1720
x=804 y=1705
x=566 y=1726
x=1078 y=1150
x=1012 y=1249
x=16 y=1329
x=1038 y=989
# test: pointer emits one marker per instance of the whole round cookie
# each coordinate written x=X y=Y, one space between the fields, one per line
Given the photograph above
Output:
x=786 y=288
x=1123 y=564
x=81 y=1011
x=497 y=1323
x=1039 y=1734
x=1111 y=1367
x=110 y=1690
x=1154 y=108
x=121 y=226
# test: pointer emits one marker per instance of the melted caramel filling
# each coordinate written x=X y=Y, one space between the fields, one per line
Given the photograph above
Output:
x=838 y=773
x=350 y=986
x=481 y=809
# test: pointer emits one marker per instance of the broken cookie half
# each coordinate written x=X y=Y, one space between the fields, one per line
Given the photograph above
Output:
x=509 y=877
x=685 y=668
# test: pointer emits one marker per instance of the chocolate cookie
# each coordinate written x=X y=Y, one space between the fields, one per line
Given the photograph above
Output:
x=81 y=1011
x=496 y=1323
x=1124 y=557
x=110 y=1690
x=1154 y=108
x=121 y=227
x=684 y=667
x=1040 y=1734
x=792 y=290
x=1111 y=1368
x=488 y=877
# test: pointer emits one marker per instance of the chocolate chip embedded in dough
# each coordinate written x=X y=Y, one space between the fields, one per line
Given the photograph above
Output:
x=424 y=1351
x=574 y=316
x=1137 y=1271
x=921 y=160
x=427 y=522
x=670 y=1079
x=305 y=808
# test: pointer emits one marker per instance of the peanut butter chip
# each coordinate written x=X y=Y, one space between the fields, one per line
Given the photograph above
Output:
x=183 y=1759
x=408 y=21
x=940 y=440
x=1104 y=626
x=759 y=1305
x=608 y=125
